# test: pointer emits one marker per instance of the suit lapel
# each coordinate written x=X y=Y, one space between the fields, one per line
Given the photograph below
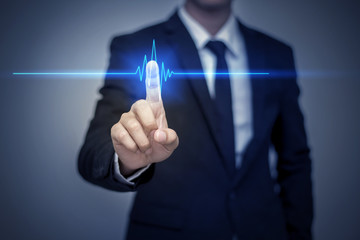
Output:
x=189 y=60
x=256 y=63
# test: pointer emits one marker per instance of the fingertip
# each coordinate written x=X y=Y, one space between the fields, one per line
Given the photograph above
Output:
x=152 y=82
x=160 y=136
x=152 y=70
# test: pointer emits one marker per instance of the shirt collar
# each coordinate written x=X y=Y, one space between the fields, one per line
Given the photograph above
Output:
x=228 y=34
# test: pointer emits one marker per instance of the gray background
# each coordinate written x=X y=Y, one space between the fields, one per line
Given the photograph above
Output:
x=43 y=119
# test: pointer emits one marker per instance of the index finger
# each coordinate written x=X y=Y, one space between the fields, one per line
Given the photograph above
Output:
x=152 y=82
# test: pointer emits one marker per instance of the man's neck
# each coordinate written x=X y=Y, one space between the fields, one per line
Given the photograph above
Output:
x=211 y=19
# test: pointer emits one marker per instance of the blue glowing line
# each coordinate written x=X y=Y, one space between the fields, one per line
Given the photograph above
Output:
x=74 y=73
x=219 y=73
x=165 y=73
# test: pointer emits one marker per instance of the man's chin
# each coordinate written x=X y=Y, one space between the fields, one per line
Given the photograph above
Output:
x=212 y=5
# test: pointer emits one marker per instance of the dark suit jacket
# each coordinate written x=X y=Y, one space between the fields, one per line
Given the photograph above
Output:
x=190 y=195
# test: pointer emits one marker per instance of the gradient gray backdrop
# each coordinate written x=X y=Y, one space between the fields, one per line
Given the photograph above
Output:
x=43 y=119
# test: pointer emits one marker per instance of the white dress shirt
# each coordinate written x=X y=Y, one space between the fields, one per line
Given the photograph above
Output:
x=241 y=92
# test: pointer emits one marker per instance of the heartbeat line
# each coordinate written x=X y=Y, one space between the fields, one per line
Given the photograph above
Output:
x=165 y=73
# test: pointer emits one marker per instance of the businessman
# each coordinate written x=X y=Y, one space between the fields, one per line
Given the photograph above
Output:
x=198 y=155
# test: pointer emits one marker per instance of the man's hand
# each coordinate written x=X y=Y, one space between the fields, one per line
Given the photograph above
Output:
x=142 y=135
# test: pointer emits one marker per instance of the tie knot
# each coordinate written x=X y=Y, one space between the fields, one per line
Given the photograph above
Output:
x=217 y=47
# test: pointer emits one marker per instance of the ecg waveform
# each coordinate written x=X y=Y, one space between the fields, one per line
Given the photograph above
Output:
x=165 y=73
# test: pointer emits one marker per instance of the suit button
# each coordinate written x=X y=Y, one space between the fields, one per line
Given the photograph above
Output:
x=232 y=195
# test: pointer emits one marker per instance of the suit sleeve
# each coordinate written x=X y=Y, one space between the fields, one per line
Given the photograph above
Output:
x=294 y=164
x=96 y=157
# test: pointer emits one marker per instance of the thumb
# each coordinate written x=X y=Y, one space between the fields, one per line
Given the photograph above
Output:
x=152 y=82
x=167 y=137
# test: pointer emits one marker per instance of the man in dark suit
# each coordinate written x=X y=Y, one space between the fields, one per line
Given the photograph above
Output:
x=208 y=176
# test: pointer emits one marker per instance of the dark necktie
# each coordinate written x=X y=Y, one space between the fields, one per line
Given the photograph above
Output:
x=223 y=106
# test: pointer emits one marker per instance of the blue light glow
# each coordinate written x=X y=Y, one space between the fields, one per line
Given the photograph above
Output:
x=165 y=74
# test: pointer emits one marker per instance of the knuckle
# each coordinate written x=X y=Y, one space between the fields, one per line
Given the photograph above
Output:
x=141 y=102
x=139 y=105
x=122 y=135
x=149 y=125
x=132 y=147
x=133 y=125
x=144 y=145
x=123 y=117
x=114 y=129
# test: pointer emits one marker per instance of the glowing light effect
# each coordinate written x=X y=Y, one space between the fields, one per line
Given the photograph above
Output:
x=165 y=73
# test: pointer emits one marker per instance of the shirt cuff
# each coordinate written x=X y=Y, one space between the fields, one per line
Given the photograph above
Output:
x=118 y=176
